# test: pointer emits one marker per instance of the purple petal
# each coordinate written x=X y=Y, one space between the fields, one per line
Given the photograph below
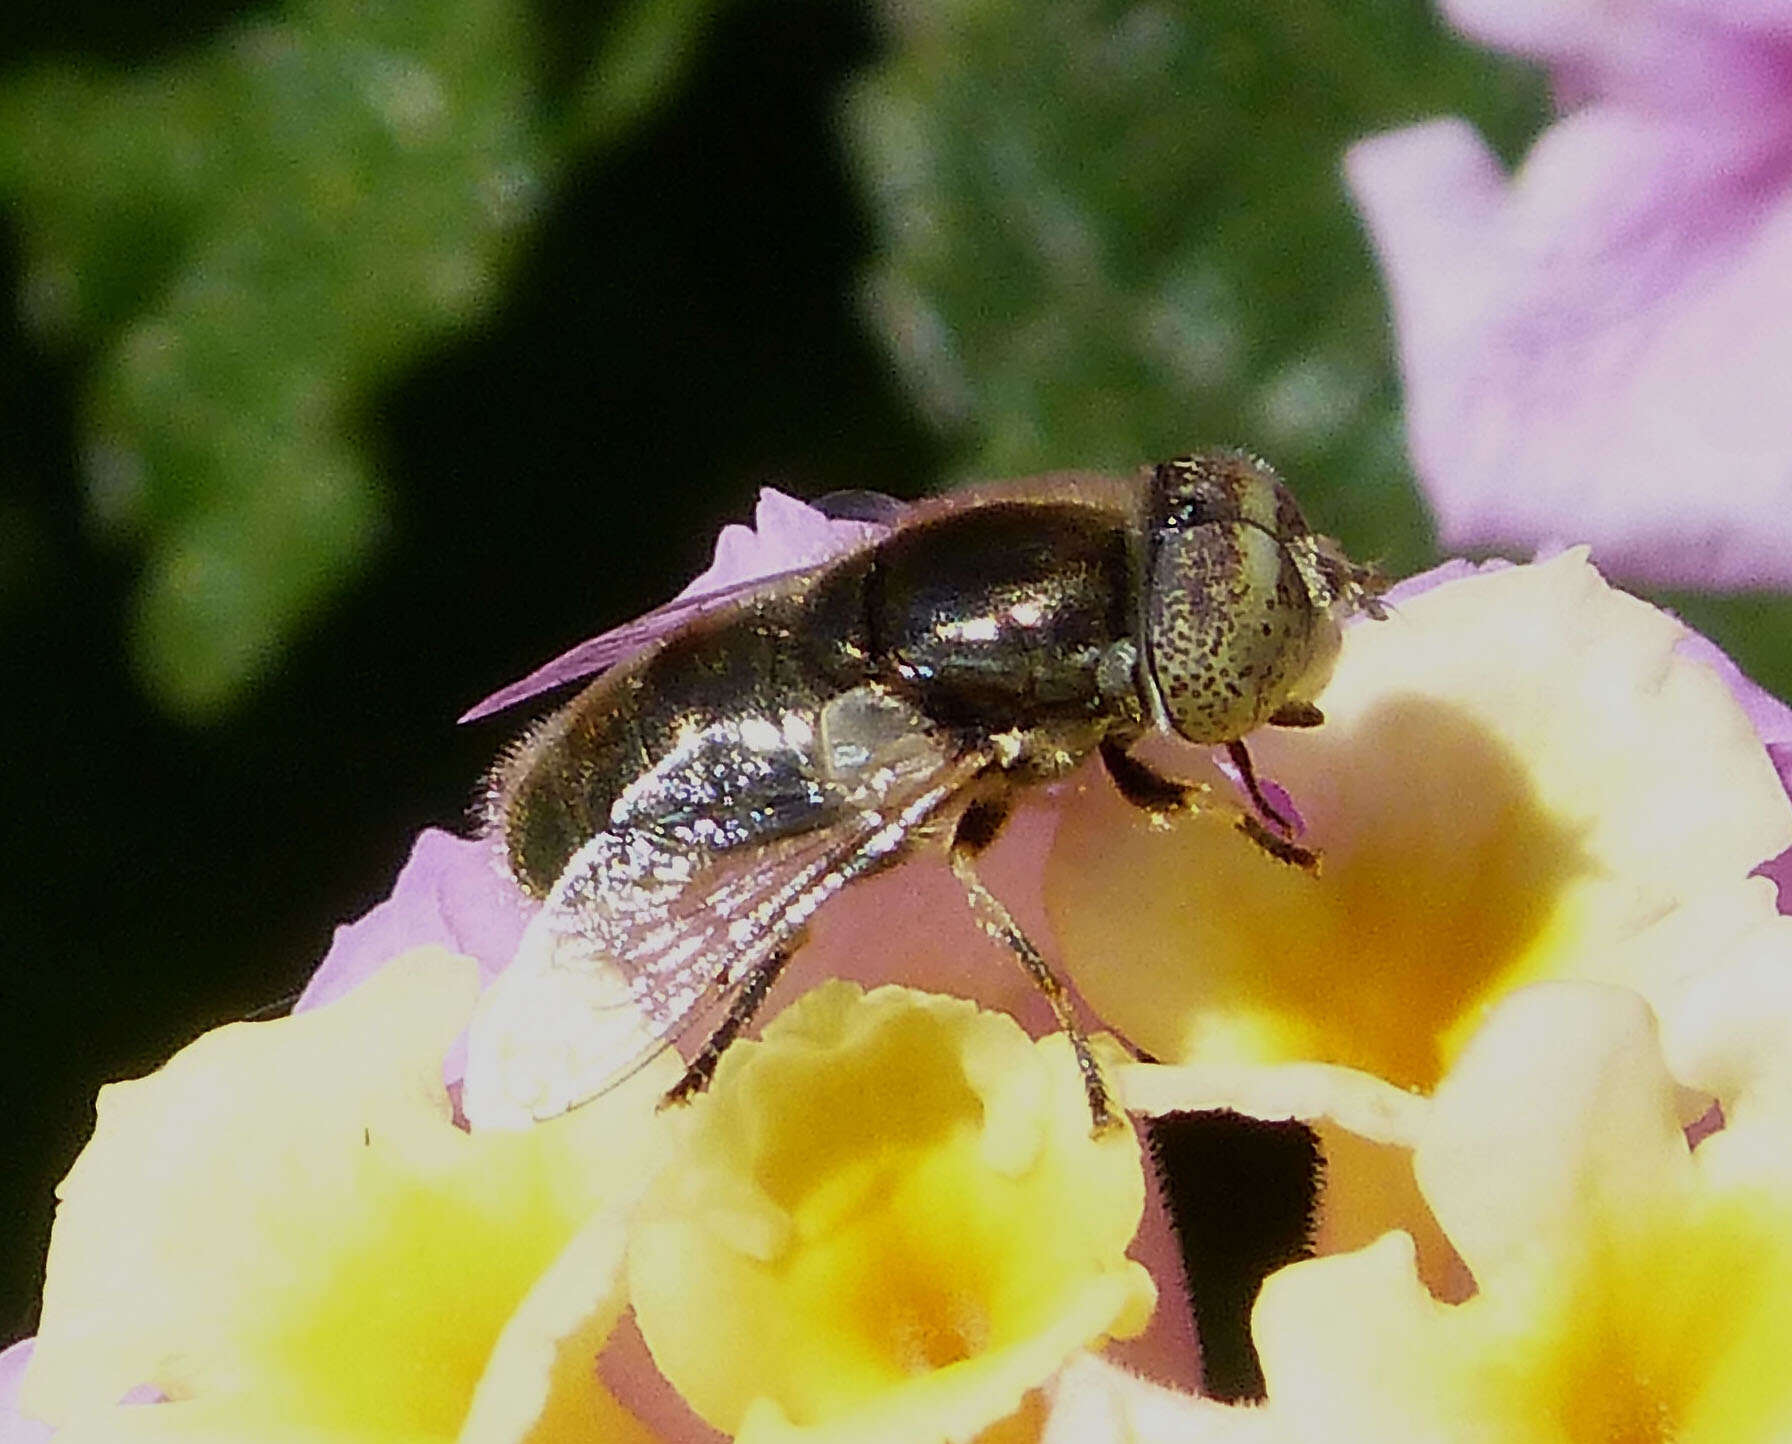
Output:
x=786 y=535
x=1704 y=54
x=16 y=1428
x=1597 y=346
x=452 y=892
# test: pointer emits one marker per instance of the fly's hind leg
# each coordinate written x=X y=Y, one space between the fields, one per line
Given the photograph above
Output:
x=741 y=1011
x=781 y=939
x=977 y=828
x=1146 y=788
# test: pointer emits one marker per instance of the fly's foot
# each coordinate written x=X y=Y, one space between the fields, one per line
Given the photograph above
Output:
x=1279 y=847
x=696 y=1080
x=1104 y=1118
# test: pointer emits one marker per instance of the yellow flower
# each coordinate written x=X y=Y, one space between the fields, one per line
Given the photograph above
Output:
x=284 y=1232
x=1518 y=777
x=888 y=1222
x=1628 y=1287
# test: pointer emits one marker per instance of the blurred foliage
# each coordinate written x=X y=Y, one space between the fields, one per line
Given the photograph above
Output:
x=244 y=243
x=641 y=62
x=1105 y=230
x=1115 y=230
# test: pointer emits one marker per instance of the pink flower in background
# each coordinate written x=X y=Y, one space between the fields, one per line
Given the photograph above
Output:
x=1596 y=348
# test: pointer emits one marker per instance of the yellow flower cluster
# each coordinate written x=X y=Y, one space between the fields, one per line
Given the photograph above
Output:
x=889 y=1221
x=1533 y=957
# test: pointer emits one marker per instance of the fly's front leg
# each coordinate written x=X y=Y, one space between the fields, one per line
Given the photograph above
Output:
x=977 y=828
x=1146 y=788
x=1247 y=771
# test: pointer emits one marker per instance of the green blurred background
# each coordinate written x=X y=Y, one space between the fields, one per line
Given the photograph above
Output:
x=359 y=356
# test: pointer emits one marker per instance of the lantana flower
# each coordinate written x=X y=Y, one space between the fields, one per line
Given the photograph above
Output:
x=1628 y=1286
x=1595 y=346
x=284 y=1235
x=888 y=1219
x=889 y=1222
x=1523 y=775
x=1521 y=772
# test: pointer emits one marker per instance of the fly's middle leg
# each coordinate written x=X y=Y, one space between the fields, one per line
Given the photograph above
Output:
x=1146 y=788
x=977 y=828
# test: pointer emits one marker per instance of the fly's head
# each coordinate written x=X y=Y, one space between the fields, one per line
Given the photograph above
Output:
x=1241 y=603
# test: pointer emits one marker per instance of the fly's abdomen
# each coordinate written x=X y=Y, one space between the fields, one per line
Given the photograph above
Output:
x=705 y=742
x=554 y=789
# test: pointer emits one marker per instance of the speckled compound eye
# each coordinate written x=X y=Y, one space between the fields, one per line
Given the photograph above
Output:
x=1233 y=628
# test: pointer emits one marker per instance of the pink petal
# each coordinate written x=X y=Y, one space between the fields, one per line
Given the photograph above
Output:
x=786 y=534
x=450 y=891
x=1596 y=347
x=16 y=1428
x=1669 y=54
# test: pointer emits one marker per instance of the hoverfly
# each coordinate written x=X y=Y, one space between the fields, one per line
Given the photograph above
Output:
x=749 y=753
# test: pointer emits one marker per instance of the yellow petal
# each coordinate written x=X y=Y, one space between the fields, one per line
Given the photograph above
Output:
x=1624 y=1293
x=889 y=1222
x=1675 y=1327
x=1280 y=1092
x=1561 y=1109
x=1093 y=1402
x=1518 y=773
x=1728 y=1031
x=1345 y=1345
x=540 y=1385
x=283 y=1231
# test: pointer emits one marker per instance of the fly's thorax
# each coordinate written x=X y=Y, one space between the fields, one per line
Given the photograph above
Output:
x=999 y=616
x=1235 y=619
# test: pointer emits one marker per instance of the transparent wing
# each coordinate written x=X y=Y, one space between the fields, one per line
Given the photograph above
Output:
x=873 y=507
x=620 y=643
x=597 y=654
x=643 y=938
